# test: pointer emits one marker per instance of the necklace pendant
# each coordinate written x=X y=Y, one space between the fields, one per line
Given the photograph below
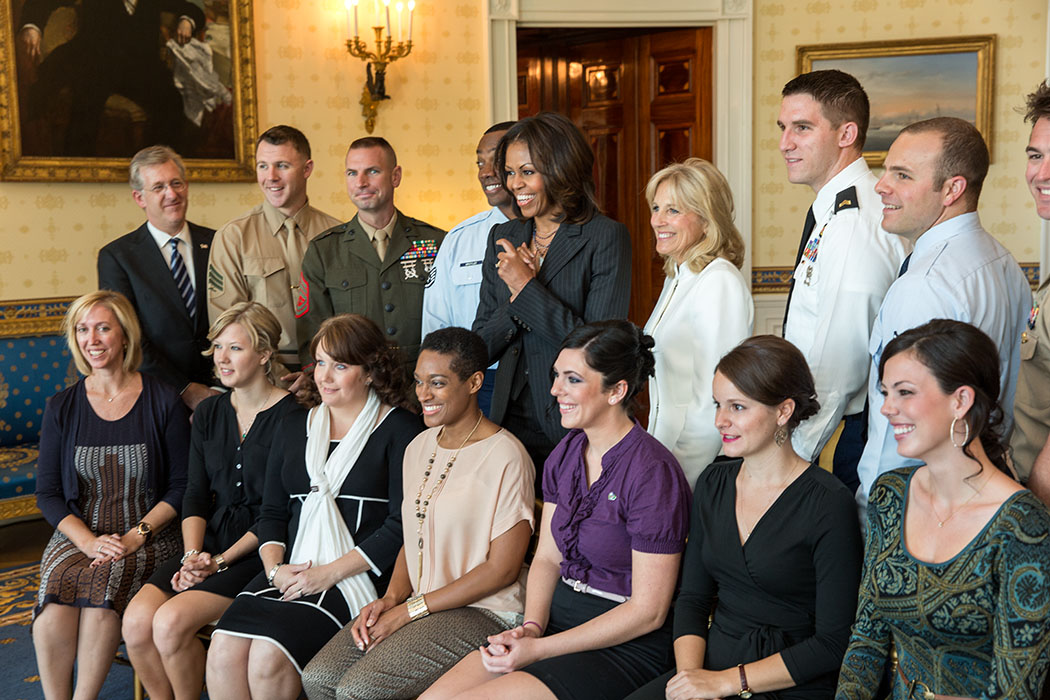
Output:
x=940 y=524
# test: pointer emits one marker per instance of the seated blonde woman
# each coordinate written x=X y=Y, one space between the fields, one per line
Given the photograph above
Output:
x=704 y=310
x=230 y=441
x=111 y=478
x=470 y=513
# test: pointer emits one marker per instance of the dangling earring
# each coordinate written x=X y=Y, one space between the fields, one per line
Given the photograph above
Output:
x=951 y=433
x=780 y=436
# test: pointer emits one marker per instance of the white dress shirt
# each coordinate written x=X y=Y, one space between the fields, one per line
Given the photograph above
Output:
x=837 y=296
x=185 y=249
x=698 y=318
x=958 y=271
x=454 y=287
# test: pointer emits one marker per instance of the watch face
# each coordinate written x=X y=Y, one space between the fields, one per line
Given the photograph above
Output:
x=745 y=694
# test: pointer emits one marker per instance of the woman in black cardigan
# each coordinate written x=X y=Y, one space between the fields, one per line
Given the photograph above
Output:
x=559 y=265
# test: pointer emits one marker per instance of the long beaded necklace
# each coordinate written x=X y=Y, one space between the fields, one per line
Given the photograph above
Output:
x=421 y=503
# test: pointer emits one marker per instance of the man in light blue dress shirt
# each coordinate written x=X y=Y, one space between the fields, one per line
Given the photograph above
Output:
x=934 y=172
x=453 y=288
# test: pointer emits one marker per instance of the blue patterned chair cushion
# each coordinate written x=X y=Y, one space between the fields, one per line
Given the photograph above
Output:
x=31 y=370
x=18 y=470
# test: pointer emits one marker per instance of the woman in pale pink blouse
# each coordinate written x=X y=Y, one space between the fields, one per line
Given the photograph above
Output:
x=468 y=517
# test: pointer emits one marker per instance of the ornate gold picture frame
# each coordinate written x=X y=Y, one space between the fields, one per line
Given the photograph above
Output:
x=908 y=81
x=83 y=88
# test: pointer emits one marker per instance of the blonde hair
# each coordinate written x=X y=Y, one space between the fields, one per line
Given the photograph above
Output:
x=262 y=327
x=129 y=325
x=697 y=186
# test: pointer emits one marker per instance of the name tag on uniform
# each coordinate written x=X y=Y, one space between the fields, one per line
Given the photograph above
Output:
x=467 y=272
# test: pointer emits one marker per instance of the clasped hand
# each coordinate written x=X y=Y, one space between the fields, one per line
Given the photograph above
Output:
x=377 y=621
x=699 y=683
x=516 y=266
x=296 y=581
x=511 y=650
x=103 y=549
x=195 y=569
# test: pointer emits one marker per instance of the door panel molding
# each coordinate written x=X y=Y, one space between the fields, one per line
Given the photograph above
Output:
x=733 y=66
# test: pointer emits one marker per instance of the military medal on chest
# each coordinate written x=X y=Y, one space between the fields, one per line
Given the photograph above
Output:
x=425 y=251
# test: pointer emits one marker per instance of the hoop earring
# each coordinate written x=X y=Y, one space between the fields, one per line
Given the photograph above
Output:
x=780 y=436
x=951 y=433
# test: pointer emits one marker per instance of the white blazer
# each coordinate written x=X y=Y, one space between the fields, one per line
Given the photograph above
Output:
x=698 y=319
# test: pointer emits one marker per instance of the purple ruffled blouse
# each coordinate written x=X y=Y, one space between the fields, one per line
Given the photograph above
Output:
x=640 y=502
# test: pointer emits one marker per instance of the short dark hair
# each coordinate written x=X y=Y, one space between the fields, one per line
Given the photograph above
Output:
x=466 y=349
x=963 y=153
x=619 y=351
x=1037 y=104
x=375 y=142
x=502 y=126
x=959 y=354
x=357 y=340
x=282 y=133
x=771 y=370
x=841 y=97
x=564 y=159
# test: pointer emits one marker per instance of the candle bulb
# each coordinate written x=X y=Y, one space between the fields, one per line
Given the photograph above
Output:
x=386 y=4
x=411 y=10
x=348 y=5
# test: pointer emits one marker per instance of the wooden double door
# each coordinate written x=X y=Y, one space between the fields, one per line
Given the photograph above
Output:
x=643 y=99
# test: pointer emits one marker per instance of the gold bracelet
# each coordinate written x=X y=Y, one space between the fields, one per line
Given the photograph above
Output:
x=417 y=607
x=221 y=562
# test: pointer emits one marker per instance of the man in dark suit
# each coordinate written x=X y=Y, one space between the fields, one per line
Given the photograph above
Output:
x=168 y=292
x=115 y=51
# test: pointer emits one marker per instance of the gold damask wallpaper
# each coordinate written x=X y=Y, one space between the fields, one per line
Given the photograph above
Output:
x=780 y=25
x=50 y=233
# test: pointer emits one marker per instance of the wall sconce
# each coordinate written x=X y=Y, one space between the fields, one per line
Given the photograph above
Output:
x=386 y=52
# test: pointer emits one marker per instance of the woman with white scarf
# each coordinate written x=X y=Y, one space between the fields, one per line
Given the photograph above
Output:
x=331 y=519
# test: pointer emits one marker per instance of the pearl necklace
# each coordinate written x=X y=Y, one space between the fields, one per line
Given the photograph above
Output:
x=421 y=503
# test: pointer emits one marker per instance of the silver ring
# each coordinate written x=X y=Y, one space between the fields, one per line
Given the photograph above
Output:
x=98 y=549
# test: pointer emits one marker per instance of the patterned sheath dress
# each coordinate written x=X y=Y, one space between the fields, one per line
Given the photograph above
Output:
x=112 y=462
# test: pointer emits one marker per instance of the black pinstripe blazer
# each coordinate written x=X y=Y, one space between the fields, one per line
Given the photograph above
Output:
x=585 y=277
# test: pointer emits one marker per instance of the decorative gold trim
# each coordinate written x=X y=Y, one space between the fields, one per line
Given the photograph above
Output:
x=983 y=45
x=15 y=167
x=18 y=507
x=23 y=317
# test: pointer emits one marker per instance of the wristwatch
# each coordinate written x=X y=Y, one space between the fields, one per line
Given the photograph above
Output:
x=273 y=572
x=146 y=530
x=221 y=562
x=417 y=607
x=745 y=691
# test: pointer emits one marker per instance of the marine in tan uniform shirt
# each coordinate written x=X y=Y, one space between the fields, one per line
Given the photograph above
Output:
x=258 y=256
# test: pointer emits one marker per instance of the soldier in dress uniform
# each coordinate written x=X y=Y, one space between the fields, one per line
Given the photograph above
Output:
x=845 y=261
x=376 y=264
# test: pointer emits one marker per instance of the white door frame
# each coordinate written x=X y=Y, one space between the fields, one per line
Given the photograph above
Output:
x=732 y=22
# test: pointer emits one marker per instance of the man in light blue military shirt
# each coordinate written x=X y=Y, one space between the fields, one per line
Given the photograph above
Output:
x=451 y=296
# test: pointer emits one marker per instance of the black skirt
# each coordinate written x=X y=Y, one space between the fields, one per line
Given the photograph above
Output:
x=601 y=674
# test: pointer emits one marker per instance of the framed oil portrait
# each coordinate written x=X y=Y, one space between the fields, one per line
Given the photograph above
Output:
x=85 y=84
x=908 y=81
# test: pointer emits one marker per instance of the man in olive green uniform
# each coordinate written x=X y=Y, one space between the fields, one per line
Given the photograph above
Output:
x=1029 y=443
x=376 y=265
x=256 y=257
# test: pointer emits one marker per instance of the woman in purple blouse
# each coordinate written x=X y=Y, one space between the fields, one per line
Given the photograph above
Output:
x=615 y=517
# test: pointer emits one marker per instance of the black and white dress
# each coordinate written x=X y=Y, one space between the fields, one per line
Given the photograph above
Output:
x=370 y=504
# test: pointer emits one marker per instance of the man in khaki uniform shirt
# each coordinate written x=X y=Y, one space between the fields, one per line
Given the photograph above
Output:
x=1029 y=444
x=257 y=257
x=376 y=264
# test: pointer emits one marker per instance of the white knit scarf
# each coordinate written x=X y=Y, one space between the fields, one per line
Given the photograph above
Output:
x=322 y=535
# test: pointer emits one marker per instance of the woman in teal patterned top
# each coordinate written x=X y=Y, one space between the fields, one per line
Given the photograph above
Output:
x=957 y=560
